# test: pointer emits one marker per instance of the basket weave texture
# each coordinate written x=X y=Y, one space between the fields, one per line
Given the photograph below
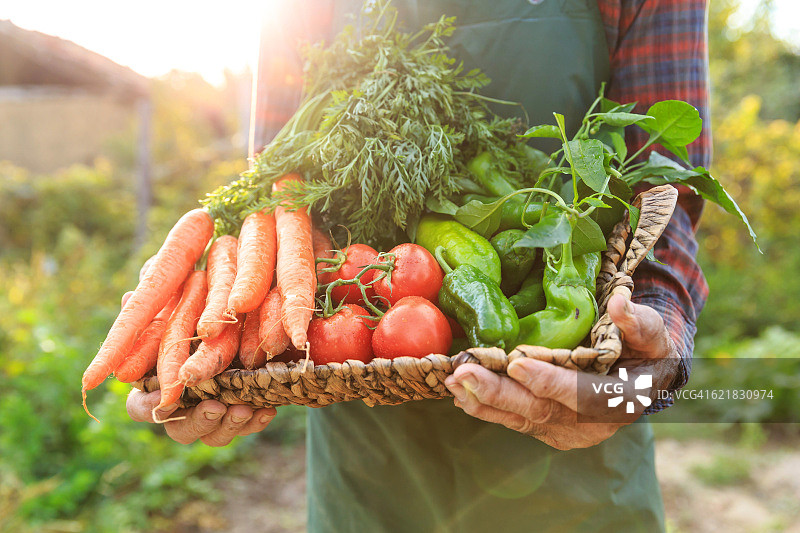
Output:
x=394 y=381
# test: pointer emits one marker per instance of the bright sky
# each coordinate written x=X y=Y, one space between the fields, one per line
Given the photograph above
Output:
x=152 y=36
x=155 y=36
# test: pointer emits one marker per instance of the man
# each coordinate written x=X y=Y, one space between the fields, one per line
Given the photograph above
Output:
x=426 y=466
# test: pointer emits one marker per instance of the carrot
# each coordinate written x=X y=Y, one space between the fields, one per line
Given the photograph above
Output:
x=322 y=249
x=176 y=343
x=183 y=246
x=255 y=264
x=250 y=353
x=221 y=271
x=144 y=354
x=273 y=338
x=212 y=356
x=295 y=269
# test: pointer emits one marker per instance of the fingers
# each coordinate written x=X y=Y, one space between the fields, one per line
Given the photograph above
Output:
x=140 y=406
x=477 y=389
x=582 y=393
x=146 y=267
x=642 y=327
x=210 y=421
x=125 y=298
x=199 y=421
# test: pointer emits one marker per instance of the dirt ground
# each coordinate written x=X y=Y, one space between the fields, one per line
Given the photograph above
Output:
x=708 y=486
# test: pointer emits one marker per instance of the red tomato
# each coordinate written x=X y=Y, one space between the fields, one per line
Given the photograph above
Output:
x=342 y=336
x=358 y=256
x=416 y=273
x=414 y=327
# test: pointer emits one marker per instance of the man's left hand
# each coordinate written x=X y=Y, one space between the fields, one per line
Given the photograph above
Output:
x=541 y=399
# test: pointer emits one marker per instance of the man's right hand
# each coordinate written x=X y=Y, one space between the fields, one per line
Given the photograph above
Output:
x=209 y=421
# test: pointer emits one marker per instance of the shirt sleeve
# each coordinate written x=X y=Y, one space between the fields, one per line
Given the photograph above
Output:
x=658 y=51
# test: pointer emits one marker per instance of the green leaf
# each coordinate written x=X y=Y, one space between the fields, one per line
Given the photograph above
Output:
x=594 y=202
x=618 y=142
x=555 y=229
x=710 y=189
x=617 y=197
x=621 y=119
x=610 y=106
x=674 y=123
x=587 y=161
x=545 y=130
x=481 y=218
x=443 y=206
x=587 y=237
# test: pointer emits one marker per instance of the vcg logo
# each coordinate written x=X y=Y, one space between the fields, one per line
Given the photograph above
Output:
x=641 y=383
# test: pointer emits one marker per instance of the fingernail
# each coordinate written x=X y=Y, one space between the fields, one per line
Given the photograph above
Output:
x=212 y=415
x=238 y=419
x=166 y=411
x=459 y=393
x=469 y=382
x=264 y=419
x=519 y=372
x=629 y=309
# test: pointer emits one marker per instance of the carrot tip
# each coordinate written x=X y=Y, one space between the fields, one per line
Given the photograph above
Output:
x=86 y=408
x=307 y=349
x=159 y=421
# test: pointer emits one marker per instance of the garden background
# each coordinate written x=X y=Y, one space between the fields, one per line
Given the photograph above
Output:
x=67 y=253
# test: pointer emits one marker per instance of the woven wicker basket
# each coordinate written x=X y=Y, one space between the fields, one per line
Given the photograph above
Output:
x=390 y=382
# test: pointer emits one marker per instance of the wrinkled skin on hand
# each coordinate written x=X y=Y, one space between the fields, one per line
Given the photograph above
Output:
x=540 y=399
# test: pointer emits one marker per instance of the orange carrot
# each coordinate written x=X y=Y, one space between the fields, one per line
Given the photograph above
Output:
x=250 y=353
x=144 y=354
x=221 y=271
x=212 y=356
x=295 y=269
x=322 y=249
x=176 y=343
x=273 y=338
x=255 y=264
x=183 y=246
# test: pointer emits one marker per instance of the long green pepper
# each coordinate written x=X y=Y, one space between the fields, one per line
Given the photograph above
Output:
x=477 y=304
x=571 y=308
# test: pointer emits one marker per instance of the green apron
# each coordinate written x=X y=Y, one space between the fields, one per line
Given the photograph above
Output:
x=427 y=466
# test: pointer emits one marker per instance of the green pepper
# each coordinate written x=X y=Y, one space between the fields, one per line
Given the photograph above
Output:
x=484 y=168
x=463 y=246
x=588 y=266
x=515 y=263
x=530 y=297
x=570 y=312
x=477 y=304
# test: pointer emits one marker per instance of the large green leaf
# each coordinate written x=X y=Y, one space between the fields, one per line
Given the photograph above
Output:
x=586 y=158
x=621 y=119
x=443 y=206
x=587 y=237
x=545 y=130
x=480 y=217
x=674 y=123
x=555 y=229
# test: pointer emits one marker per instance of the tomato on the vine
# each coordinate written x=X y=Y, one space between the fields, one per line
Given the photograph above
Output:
x=414 y=327
x=344 y=335
x=358 y=256
x=416 y=273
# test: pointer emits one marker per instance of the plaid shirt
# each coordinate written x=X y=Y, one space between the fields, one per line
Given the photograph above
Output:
x=657 y=51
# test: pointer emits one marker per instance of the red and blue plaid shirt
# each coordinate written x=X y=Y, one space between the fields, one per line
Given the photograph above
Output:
x=658 y=51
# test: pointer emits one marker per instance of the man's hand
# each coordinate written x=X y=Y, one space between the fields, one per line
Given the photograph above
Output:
x=210 y=421
x=541 y=399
